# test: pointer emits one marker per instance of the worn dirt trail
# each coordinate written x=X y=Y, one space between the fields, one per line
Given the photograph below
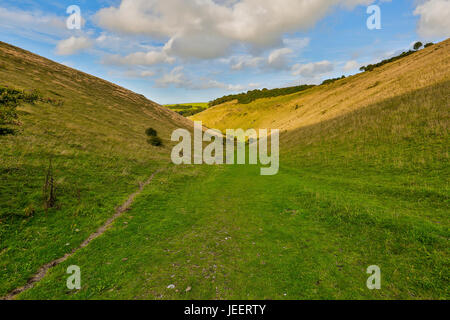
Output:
x=45 y=268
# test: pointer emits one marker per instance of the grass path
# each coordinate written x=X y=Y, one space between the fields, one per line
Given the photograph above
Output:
x=45 y=268
x=229 y=233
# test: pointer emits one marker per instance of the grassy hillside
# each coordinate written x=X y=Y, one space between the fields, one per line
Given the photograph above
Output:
x=369 y=188
x=95 y=136
x=364 y=180
x=418 y=70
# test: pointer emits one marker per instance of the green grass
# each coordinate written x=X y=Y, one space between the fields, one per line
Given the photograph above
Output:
x=292 y=236
x=350 y=196
x=368 y=187
x=96 y=140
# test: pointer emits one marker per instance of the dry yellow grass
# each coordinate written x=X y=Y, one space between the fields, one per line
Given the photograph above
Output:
x=419 y=70
x=97 y=115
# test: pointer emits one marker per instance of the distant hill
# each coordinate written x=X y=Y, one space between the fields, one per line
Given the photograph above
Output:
x=288 y=112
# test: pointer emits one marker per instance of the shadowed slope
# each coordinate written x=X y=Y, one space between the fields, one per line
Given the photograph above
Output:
x=94 y=133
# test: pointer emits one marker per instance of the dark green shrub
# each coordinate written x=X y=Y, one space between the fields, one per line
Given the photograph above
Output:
x=418 y=45
x=428 y=45
x=31 y=97
x=10 y=99
x=7 y=131
x=155 y=141
x=151 y=132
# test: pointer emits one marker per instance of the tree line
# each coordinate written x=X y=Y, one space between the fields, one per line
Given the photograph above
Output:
x=250 y=96
x=416 y=47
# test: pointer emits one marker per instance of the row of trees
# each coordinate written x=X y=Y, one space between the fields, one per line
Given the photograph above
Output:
x=245 y=98
x=187 y=110
x=328 y=81
x=417 y=46
x=191 y=112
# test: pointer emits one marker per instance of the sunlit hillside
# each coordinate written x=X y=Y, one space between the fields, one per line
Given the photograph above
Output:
x=419 y=70
x=363 y=181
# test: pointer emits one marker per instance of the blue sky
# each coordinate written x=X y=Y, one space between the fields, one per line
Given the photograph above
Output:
x=175 y=51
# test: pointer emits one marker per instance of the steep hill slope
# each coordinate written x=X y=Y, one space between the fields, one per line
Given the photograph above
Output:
x=94 y=133
x=419 y=70
x=368 y=188
x=365 y=186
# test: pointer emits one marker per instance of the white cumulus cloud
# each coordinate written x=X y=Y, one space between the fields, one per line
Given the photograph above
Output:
x=277 y=58
x=246 y=61
x=73 y=45
x=312 y=69
x=140 y=58
x=208 y=29
x=176 y=77
x=434 y=18
x=351 y=65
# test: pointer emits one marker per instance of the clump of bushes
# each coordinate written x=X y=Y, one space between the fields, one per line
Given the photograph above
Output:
x=7 y=131
x=154 y=140
x=418 y=45
x=151 y=132
x=10 y=99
